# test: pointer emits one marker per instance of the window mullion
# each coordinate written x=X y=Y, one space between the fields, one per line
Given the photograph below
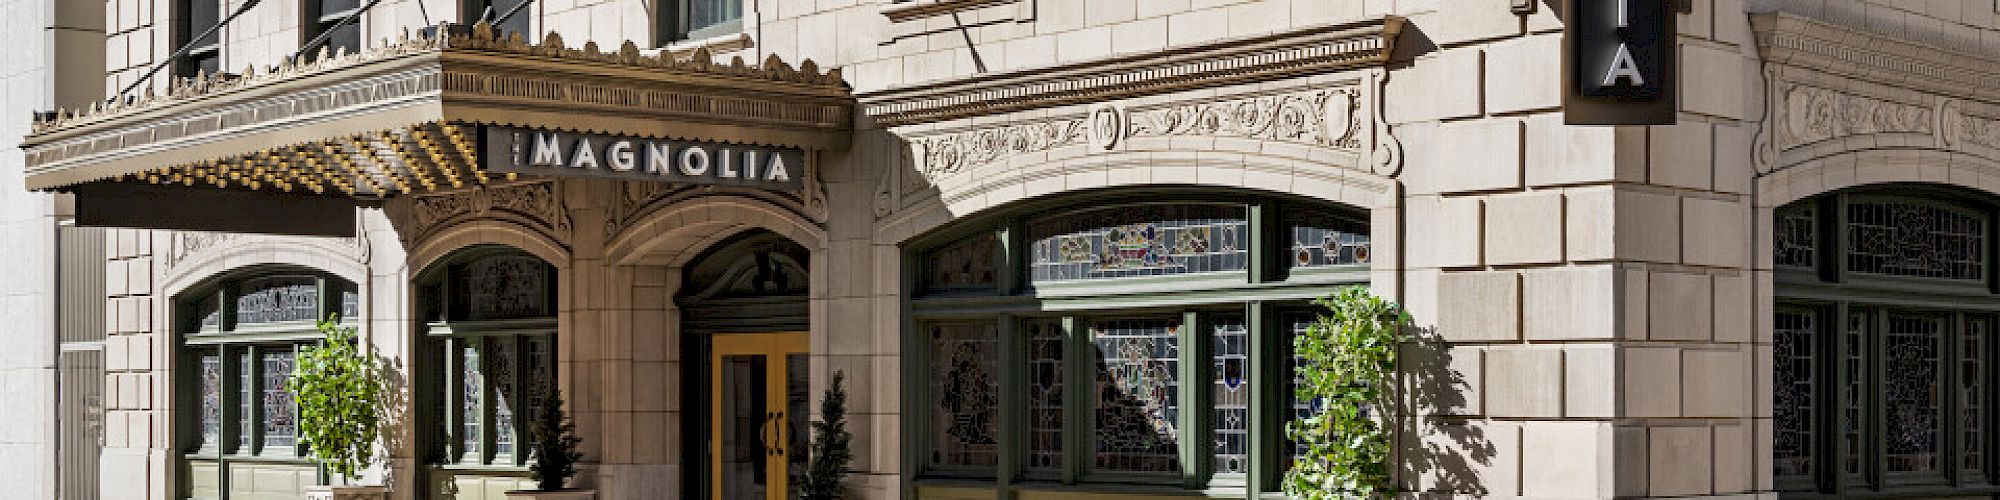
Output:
x=1951 y=427
x=1080 y=416
x=1013 y=402
x=487 y=431
x=454 y=405
x=1872 y=359
x=254 y=383
x=1197 y=433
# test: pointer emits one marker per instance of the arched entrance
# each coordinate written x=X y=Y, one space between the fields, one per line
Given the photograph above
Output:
x=744 y=324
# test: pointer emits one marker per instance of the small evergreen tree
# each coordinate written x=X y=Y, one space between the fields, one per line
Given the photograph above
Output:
x=338 y=387
x=555 y=442
x=830 y=454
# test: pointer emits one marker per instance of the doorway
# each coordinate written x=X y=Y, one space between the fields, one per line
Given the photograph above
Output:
x=757 y=417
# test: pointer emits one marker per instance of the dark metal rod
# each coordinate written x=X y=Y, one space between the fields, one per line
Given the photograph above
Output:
x=510 y=13
x=182 y=52
x=323 y=35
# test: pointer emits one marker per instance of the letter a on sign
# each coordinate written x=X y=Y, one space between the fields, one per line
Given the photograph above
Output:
x=1619 y=62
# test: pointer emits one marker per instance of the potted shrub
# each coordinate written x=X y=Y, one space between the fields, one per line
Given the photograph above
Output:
x=830 y=454
x=553 y=441
x=1347 y=367
x=338 y=385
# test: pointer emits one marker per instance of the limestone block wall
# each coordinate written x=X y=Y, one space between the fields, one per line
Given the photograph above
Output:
x=138 y=373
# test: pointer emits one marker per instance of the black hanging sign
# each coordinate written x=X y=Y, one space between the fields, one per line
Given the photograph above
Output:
x=1620 y=67
x=554 y=153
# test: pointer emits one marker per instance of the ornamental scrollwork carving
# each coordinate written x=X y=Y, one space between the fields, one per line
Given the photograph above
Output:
x=1325 y=118
x=1959 y=128
x=1813 y=114
x=953 y=153
x=540 y=203
x=187 y=243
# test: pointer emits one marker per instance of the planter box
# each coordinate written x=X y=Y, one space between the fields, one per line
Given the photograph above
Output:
x=347 y=493
x=552 y=495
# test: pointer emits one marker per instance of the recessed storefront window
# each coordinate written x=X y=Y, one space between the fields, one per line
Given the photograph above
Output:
x=1140 y=357
x=1873 y=391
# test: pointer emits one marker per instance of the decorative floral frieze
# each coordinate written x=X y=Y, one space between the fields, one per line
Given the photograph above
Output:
x=540 y=203
x=186 y=243
x=1960 y=129
x=1324 y=118
x=957 y=152
x=1813 y=114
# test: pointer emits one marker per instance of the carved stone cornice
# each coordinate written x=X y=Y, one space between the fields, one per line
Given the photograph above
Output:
x=469 y=76
x=1301 y=52
x=1830 y=42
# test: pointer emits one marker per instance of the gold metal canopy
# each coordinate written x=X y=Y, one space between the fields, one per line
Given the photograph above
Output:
x=401 y=118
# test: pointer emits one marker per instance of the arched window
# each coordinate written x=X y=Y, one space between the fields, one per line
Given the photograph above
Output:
x=489 y=325
x=239 y=336
x=1882 y=336
x=1139 y=340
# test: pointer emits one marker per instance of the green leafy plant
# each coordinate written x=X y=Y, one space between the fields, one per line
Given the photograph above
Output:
x=338 y=386
x=1347 y=361
x=830 y=453
x=556 y=443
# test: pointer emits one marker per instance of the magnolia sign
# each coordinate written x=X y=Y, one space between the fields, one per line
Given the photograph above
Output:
x=542 y=152
x=1621 y=61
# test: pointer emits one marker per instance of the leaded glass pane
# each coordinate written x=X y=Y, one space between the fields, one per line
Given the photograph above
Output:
x=1795 y=235
x=965 y=265
x=1910 y=392
x=209 y=311
x=1322 y=238
x=1045 y=394
x=505 y=286
x=1300 y=408
x=245 y=401
x=1854 y=393
x=1907 y=239
x=535 y=364
x=276 y=299
x=1795 y=399
x=470 y=386
x=1138 y=394
x=1232 y=395
x=1140 y=241
x=211 y=399
x=1972 y=393
x=500 y=367
x=350 y=305
x=965 y=395
x=280 y=413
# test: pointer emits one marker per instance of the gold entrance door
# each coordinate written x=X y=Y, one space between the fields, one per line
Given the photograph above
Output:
x=757 y=421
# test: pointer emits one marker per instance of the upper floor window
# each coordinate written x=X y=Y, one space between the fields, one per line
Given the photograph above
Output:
x=193 y=18
x=322 y=18
x=698 y=19
x=473 y=11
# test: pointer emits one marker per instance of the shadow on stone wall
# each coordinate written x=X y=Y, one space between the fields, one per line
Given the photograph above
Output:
x=1441 y=455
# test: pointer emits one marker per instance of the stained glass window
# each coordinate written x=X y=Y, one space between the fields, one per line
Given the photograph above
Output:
x=1140 y=241
x=504 y=287
x=1138 y=394
x=1794 y=235
x=965 y=265
x=1045 y=394
x=211 y=399
x=246 y=400
x=470 y=386
x=1910 y=393
x=500 y=366
x=1232 y=395
x=540 y=377
x=280 y=413
x=1907 y=239
x=1972 y=392
x=1854 y=390
x=1300 y=408
x=965 y=395
x=277 y=299
x=1794 y=400
x=350 y=305
x=1322 y=238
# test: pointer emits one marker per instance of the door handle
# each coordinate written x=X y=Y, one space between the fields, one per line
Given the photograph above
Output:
x=778 y=423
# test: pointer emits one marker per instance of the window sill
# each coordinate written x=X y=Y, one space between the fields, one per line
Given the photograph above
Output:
x=1033 y=490
x=685 y=49
x=920 y=9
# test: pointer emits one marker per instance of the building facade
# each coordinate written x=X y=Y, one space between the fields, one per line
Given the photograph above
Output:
x=1054 y=248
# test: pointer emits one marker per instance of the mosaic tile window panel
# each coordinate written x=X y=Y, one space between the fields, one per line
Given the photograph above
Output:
x=1910 y=393
x=504 y=287
x=1140 y=241
x=1794 y=399
x=965 y=395
x=966 y=265
x=1905 y=239
x=1322 y=238
x=1972 y=389
x=211 y=400
x=281 y=413
x=277 y=299
x=1138 y=395
x=245 y=400
x=1854 y=390
x=1045 y=394
x=471 y=384
x=1231 y=383
x=500 y=370
x=1795 y=235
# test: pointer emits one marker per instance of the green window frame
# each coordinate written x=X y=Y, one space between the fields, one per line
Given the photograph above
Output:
x=238 y=339
x=1882 y=341
x=489 y=345
x=1024 y=316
